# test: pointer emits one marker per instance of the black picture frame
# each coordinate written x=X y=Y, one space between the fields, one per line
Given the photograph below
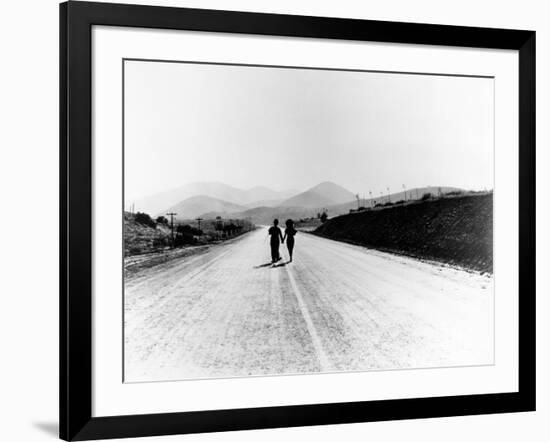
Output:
x=76 y=21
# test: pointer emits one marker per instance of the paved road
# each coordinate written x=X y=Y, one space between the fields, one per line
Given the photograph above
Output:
x=337 y=307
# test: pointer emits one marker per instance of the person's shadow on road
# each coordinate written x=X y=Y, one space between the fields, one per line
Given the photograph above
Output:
x=271 y=265
x=267 y=264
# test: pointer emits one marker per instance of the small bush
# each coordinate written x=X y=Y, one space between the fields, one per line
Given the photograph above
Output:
x=145 y=219
x=182 y=239
x=186 y=229
x=426 y=196
x=159 y=243
x=454 y=193
x=135 y=250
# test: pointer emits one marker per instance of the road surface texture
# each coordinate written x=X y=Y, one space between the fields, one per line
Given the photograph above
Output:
x=338 y=307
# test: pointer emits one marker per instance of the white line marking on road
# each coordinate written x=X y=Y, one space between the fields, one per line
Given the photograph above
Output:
x=316 y=341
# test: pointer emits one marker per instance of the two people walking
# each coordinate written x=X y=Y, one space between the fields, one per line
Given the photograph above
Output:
x=276 y=235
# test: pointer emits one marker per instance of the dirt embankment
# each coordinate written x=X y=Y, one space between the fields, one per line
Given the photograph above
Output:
x=457 y=231
x=140 y=238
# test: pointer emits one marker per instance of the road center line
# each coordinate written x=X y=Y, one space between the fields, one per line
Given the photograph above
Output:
x=316 y=341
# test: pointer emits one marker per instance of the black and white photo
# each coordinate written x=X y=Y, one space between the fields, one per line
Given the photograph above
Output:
x=281 y=220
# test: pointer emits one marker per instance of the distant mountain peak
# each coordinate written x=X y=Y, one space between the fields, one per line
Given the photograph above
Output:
x=323 y=194
x=156 y=203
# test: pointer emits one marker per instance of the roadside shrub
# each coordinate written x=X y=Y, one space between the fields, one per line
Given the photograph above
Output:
x=324 y=217
x=159 y=243
x=135 y=250
x=453 y=193
x=145 y=219
x=400 y=202
x=426 y=196
x=162 y=220
x=186 y=229
x=232 y=229
x=183 y=239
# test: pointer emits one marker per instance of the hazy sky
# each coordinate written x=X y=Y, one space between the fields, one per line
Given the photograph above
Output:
x=293 y=128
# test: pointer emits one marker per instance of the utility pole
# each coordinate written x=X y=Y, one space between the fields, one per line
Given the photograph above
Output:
x=405 y=189
x=199 y=221
x=370 y=197
x=357 y=198
x=389 y=198
x=171 y=215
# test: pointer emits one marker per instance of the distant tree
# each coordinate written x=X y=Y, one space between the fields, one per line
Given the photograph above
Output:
x=162 y=220
x=324 y=217
x=231 y=229
x=454 y=193
x=186 y=229
x=182 y=239
x=145 y=219
x=185 y=234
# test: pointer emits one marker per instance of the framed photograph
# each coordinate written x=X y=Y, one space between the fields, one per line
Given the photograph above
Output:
x=273 y=220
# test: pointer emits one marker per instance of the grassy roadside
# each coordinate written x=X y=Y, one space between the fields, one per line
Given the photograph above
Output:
x=136 y=263
x=456 y=231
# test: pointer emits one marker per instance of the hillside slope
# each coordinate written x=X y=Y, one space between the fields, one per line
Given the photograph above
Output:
x=200 y=204
x=457 y=231
x=140 y=238
x=323 y=194
x=408 y=195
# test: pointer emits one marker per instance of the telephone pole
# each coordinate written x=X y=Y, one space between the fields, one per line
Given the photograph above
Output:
x=171 y=215
x=199 y=221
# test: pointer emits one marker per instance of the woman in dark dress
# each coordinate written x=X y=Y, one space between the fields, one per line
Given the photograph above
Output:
x=275 y=234
x=290 y=232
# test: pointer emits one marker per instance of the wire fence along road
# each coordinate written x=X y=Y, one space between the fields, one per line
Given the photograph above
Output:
x=337 y=307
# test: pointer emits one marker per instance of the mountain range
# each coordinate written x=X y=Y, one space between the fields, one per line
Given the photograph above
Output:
x=261 y=204
x=157 y=204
